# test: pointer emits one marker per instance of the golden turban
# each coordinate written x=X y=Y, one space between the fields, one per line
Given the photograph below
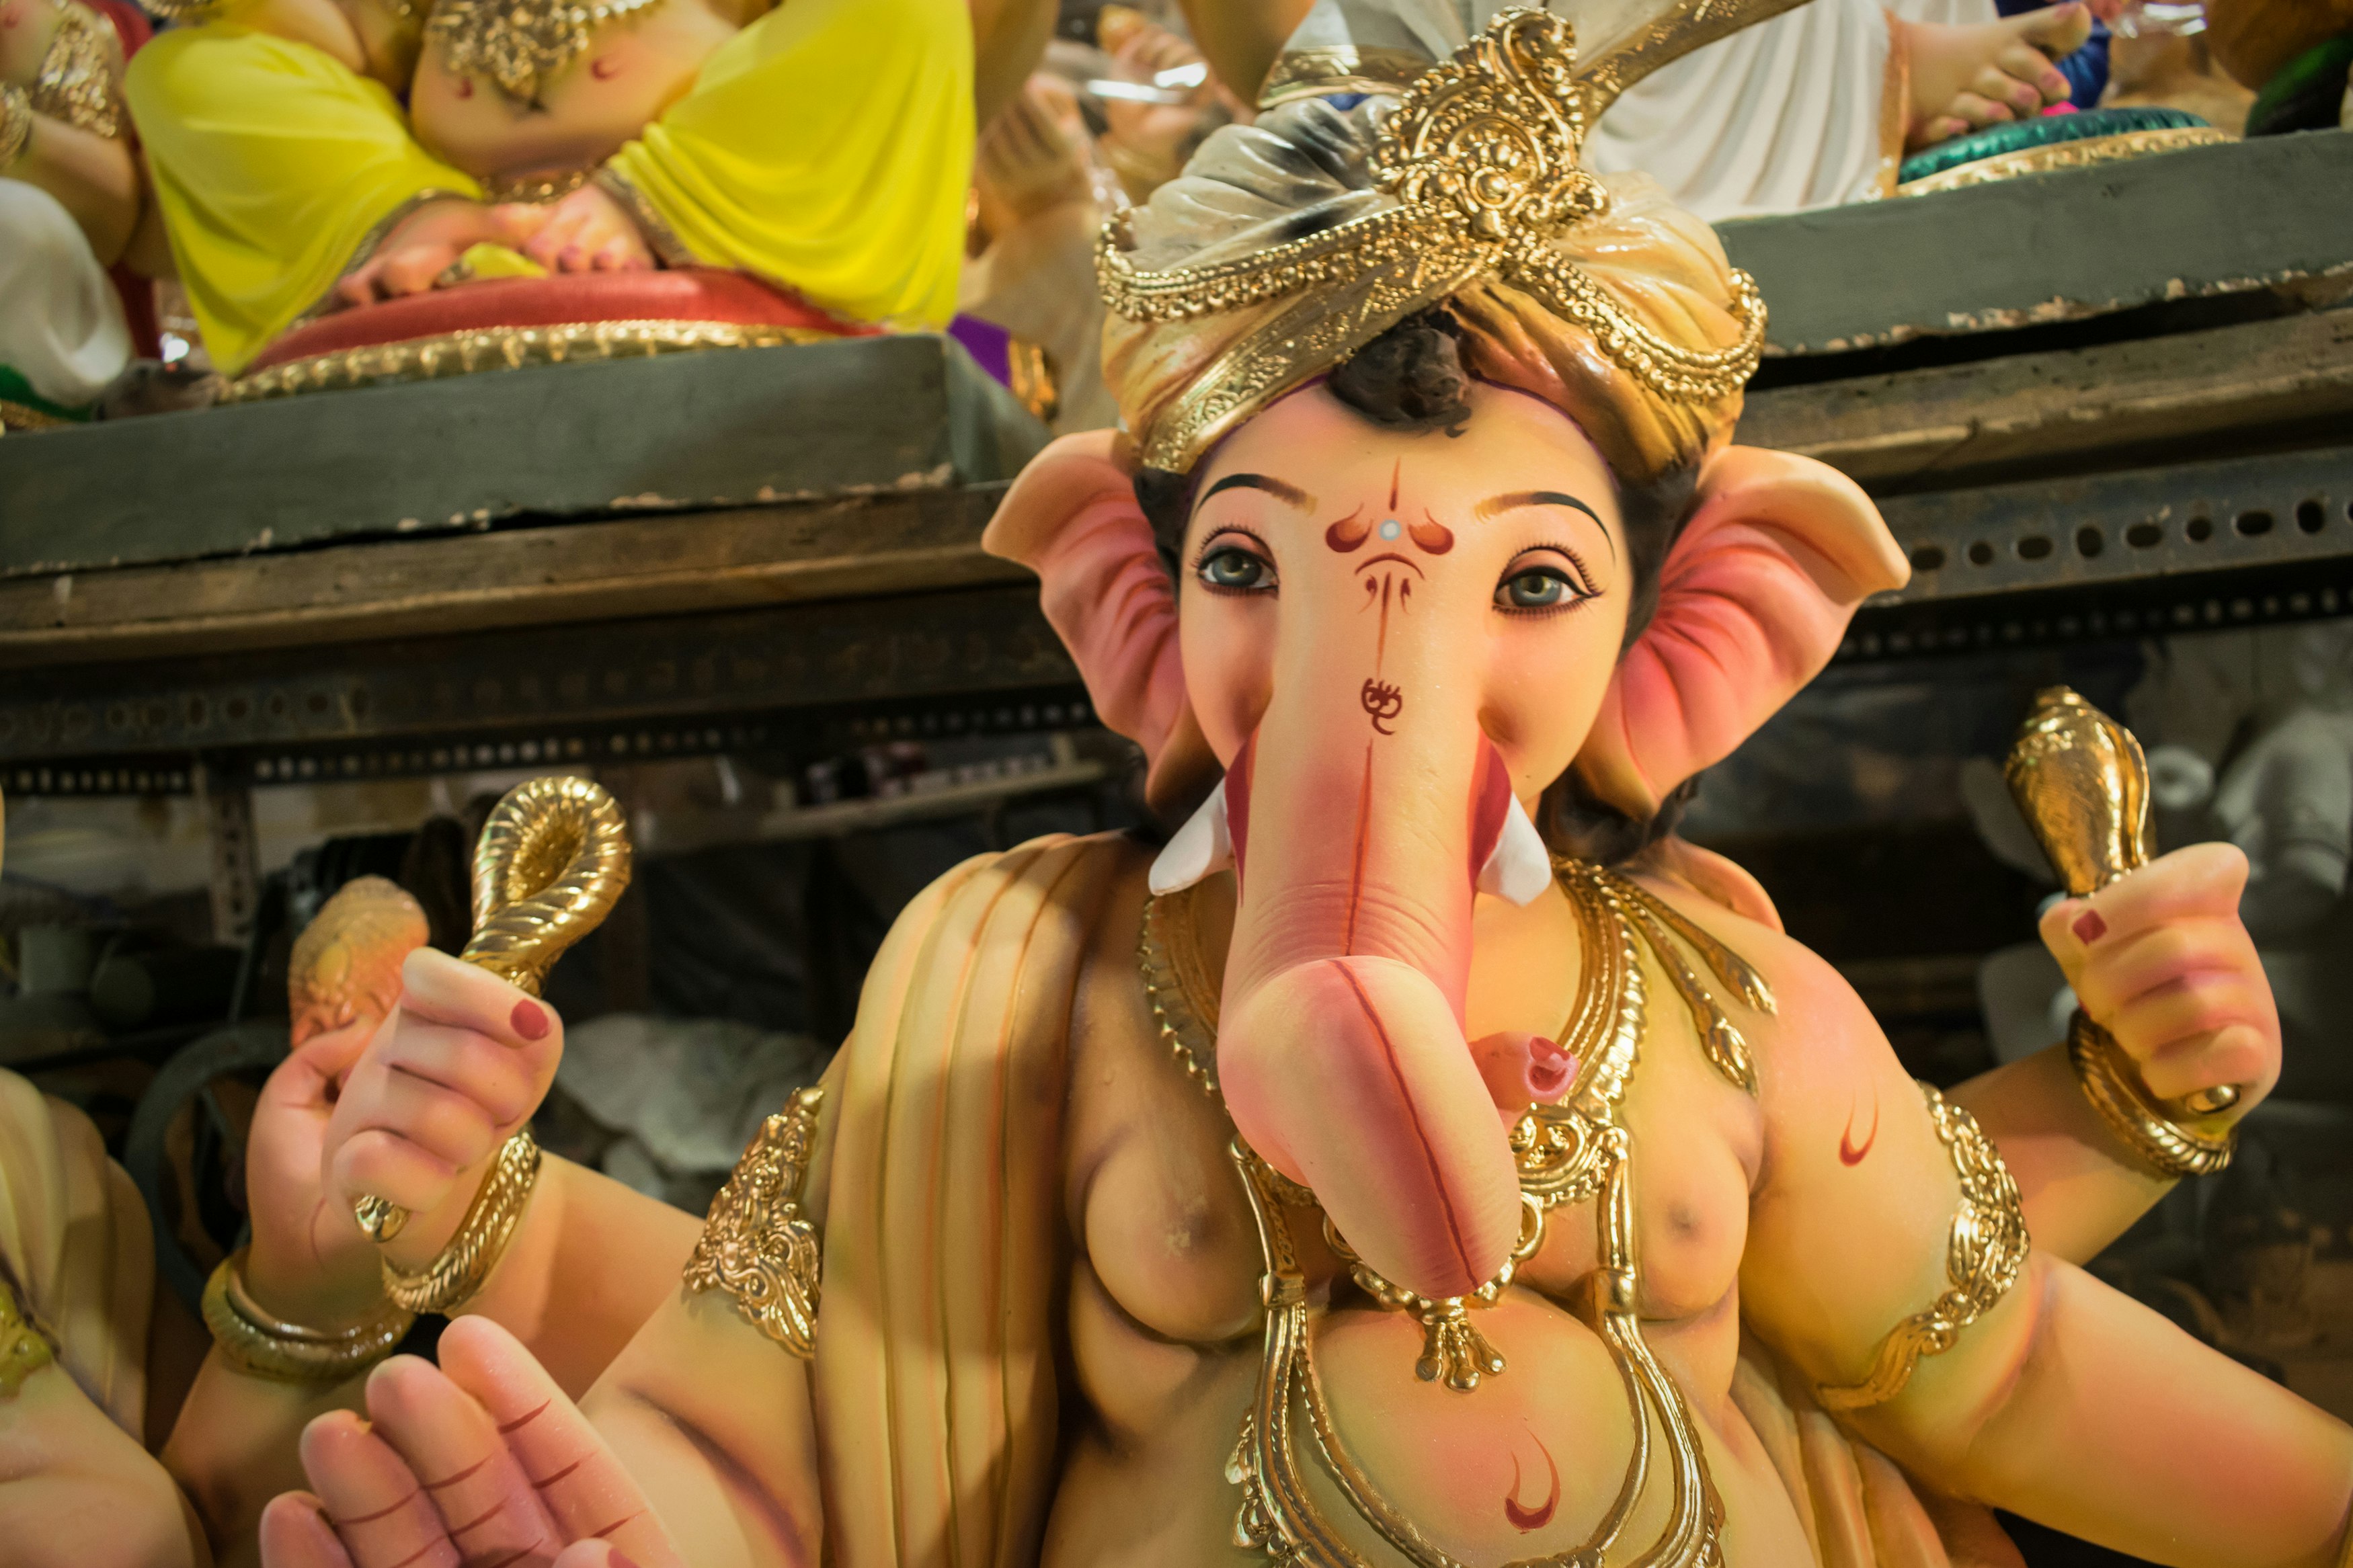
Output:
x=1290 y=244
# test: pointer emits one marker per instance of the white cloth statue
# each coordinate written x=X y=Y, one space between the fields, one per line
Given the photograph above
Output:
x=1782 y=116
x=61 y=322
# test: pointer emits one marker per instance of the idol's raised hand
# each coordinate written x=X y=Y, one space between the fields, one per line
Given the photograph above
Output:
x=2159 y=958
x=480 y=1461
x=457 y=1069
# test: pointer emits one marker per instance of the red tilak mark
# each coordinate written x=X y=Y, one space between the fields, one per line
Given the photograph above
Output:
x=1433 y=536
x=1522 y=1516
x=1848 y=1154
x=1422 y=1136
x=1384 y=558
x=1381 y=645
x=1342 y=539
x=530 y=1020
x=1393 y=482
x=604 y=68
x=1383 y=702
x=465 y=87
x=1356 y=860
x=2089 y=927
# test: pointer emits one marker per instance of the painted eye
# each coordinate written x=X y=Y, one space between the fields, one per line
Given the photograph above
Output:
x=1537 y=588
x=1235 y=570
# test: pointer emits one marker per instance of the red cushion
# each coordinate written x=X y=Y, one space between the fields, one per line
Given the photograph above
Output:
x=567 y=299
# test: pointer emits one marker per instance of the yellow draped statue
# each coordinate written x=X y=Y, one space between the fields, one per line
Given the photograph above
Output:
x=825 y=147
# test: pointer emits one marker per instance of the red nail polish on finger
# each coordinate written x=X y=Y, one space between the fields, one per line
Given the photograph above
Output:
x=2088 y=928
x=530 y=1020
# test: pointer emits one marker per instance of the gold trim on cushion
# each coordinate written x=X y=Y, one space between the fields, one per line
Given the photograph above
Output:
x=16 y=416
x=478 y=349
x=2080 y=154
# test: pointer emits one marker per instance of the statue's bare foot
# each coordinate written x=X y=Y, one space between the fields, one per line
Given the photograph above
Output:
x=1965 y=79
x=587 y=231
x=418 y=250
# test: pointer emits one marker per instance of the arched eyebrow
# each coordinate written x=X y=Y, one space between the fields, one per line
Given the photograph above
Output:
x=1495 y=506
x=1289 y=495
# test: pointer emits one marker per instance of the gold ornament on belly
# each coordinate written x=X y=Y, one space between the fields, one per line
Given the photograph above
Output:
x=519 y=44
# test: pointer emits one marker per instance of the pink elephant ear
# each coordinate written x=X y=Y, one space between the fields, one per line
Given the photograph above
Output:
x=1752 y=601
x=1072 y=518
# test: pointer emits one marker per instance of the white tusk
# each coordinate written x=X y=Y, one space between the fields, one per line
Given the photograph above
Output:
x=1519 y=867
x=1202 y=848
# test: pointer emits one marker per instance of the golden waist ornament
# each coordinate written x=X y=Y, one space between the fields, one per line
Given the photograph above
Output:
x=1570 y=1151
x=519 y=44
x=1481 y=154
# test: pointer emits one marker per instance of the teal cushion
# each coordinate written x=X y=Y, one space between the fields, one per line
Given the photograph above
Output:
x=2014 y=135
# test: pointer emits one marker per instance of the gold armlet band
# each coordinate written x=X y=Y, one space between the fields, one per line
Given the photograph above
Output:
x=16 y=123
x=757 y=1246
x=25 y=1347
x=1982 y=1261
x=451 y=1280
x=2134 y=1115
x=260 y=1344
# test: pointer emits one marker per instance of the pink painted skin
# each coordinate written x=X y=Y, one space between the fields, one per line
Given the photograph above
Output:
x=1347 y=642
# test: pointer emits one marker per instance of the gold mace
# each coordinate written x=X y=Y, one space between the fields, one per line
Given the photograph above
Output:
x=552 y=858
x=2081 y=782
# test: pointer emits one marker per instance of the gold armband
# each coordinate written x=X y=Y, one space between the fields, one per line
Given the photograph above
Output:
x=452 y=1280
x=25 y=1345
x=16 y=123
x=1982 y=1261
x=258 y=1343
x=757 y=1246
x=2114 y=1088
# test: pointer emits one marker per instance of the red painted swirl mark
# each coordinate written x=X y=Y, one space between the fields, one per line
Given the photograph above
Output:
x=1433 y=536
x=603 y=68
x=1521 y=1516
x=1383 y=702
x=1848 y=1154
x=1348 y=534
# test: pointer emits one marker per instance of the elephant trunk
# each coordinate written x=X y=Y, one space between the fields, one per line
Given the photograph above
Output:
x=1358 y=836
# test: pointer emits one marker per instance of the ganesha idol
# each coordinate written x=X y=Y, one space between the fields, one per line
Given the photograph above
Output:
x=1423 y=1157
x=624 y=177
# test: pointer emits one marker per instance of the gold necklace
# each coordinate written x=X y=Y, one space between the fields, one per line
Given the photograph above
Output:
x=1573 y=1150
x=519 y=44
x=76 y=81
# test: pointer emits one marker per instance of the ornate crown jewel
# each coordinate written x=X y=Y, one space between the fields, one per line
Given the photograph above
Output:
x=1481 y=153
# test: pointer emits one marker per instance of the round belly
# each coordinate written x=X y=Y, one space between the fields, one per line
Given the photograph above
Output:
x=1524 y=1465
x=632 y=70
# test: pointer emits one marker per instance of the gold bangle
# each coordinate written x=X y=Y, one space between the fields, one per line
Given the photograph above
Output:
x=16 y=123
x=757 y=1244
x=2113 y=1087
x=452 y=1280
x=25 y=1345
x=256 y=1342
x=1982 y=1261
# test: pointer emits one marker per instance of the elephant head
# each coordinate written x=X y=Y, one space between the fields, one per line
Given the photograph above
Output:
x=1393 y=641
